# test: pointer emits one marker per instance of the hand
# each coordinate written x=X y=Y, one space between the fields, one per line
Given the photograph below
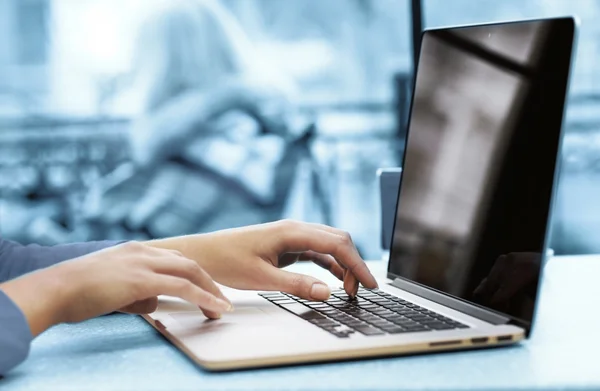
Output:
x=127 y=277
x=252 y=257
x=512 y=275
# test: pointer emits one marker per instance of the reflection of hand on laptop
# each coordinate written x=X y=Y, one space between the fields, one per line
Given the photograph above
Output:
x=513 y=275
x=252 y=257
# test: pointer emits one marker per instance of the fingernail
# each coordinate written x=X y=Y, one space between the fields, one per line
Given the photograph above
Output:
x=227 y=307
x=320 y=291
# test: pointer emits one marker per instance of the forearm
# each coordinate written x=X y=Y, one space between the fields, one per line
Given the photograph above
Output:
x=17 y=260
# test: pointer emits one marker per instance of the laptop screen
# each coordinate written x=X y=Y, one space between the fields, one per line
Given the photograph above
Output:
x=479 y=167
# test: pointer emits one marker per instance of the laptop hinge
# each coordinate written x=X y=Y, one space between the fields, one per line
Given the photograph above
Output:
x=458 y=305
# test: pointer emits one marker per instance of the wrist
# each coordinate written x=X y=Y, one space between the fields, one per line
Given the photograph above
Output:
x=196 y=247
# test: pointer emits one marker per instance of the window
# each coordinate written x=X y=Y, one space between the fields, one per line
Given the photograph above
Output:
x=127 y=81
x=309 y=98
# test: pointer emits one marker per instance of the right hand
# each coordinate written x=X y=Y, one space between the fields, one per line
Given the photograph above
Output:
x=126 y=278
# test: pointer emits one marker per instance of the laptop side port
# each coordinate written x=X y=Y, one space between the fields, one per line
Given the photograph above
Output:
x=504 y=338
x=445 y=343
x=479 y=340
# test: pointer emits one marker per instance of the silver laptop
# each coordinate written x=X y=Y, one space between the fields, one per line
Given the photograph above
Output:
x=471 y=223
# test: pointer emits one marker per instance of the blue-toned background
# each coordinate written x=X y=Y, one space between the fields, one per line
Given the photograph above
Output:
x=146 y=118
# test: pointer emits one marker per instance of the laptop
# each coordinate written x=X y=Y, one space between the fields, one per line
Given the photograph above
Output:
x=471 y=221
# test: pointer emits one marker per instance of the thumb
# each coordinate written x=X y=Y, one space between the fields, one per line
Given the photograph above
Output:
x=300 y=285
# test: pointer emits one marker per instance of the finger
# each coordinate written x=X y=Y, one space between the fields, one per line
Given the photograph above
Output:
x=351 y=280
x=163 y=284
x=140 y=307
x=325 y=261
x=491 y=283
x=504 y=294
x=300 y=237
x=173 y=262
x=300 y=285
x=180 y=266
x=189 y=269
x=288 y=259
x=350 y=284
x=481 y=288
x=201 y=278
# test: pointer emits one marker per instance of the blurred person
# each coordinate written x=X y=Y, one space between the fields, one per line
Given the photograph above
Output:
x=193 y=63
x=209 y=111
x=44 y=286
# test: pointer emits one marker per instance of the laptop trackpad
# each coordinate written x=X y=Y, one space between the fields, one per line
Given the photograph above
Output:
x=241 y=314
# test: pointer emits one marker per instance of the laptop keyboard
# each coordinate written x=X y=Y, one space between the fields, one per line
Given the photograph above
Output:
x=372 y=312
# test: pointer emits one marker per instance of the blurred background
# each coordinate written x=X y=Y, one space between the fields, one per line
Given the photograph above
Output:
x=136 y=119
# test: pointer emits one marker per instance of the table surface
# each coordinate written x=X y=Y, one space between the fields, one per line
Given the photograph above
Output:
x=122 y=352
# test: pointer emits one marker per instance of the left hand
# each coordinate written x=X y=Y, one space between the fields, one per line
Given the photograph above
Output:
x=252 y=258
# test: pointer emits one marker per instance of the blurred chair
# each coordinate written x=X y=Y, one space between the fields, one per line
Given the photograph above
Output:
x=389 y=183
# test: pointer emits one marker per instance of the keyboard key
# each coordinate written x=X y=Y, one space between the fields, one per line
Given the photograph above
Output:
x=420 y=318
x=408 y=314
x=339 y=333
x=372 y=296
x=368 y=330
x=355 y=323
x=371 y=317
x=415 y=328
x=381 y=300
x=371 y=306
x=339 y=305
x=380 y=310
x=439 y=326
x=302 y=311
x=316 y=306
x=323 y=321
x=381 y=323
x=408 y=323
x=329 y=310
x=445 y=319
x=359 y=301
x=343 y=296
x=283 y=301
x=394 y=330
x=270 y=294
